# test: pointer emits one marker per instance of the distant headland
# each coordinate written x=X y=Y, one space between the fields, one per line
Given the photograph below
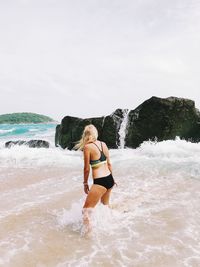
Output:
x=24 y=117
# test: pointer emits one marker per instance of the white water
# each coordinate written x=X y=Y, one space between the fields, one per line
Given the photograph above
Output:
x=155 y=215
x=155 y=220
x=6 y=131
x=123 y=128
x=12 y=132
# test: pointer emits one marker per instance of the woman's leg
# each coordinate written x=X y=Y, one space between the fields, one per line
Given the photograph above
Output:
x=93 y=197
x=106 y=197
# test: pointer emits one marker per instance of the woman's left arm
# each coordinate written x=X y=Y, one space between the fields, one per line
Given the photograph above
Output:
x=86 y=154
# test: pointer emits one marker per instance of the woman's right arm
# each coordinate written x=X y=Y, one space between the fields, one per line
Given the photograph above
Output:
x=86 y=169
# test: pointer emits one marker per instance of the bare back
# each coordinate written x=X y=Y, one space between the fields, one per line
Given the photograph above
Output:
x=103 y=169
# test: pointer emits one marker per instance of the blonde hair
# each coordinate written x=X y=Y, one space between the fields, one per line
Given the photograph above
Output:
x=90 y=134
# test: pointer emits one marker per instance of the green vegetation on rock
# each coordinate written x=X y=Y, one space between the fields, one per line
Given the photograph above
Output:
x=24 y=117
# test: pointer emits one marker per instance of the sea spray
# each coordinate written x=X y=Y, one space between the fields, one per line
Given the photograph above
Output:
x=104 y=220
x=123 y=128
x=154 y=220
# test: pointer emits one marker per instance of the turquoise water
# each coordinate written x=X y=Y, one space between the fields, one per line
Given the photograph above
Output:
x=27 y=131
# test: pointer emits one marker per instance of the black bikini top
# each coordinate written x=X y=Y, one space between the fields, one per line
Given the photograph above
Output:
x=99 y=161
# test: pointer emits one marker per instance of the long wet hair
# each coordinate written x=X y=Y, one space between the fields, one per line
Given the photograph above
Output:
x=90 y=134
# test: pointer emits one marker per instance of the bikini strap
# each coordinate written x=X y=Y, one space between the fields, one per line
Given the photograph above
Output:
x=101 y=147
x=97 y=146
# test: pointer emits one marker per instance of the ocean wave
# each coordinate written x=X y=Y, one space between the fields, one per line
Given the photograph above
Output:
x=33 y=130
x=172 y=155
x=4 y=131
x=23 y=156
x=155 y=206
x=27 y=132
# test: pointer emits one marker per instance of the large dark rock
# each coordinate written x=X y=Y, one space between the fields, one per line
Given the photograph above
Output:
x=57 y=135
x=31 y=143
x=163 y=119
x=71 y=128
x=160 y=118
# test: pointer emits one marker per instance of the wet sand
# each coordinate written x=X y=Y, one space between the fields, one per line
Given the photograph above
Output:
x=155 y=220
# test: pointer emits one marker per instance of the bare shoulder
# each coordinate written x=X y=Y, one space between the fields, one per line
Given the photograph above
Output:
x=86 y=147
x=104 y=145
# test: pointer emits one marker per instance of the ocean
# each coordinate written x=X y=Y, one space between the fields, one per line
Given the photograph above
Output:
x=155 y=215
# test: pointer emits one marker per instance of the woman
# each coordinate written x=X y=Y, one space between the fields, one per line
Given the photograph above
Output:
x=96 y=154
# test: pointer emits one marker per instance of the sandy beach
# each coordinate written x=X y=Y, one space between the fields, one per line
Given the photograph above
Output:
x=154 y=220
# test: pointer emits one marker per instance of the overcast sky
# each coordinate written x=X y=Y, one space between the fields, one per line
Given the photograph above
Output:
x=86 y=58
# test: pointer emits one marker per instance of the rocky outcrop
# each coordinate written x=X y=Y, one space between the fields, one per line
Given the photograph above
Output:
x=31 y=143
x=163 y=119
x=57 y=135
x=160 y=118
x=71 y=128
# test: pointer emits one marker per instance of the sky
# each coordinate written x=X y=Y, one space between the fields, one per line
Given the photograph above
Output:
x=86 y=58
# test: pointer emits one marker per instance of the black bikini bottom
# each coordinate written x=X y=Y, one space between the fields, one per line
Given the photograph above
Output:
x=106 y=181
